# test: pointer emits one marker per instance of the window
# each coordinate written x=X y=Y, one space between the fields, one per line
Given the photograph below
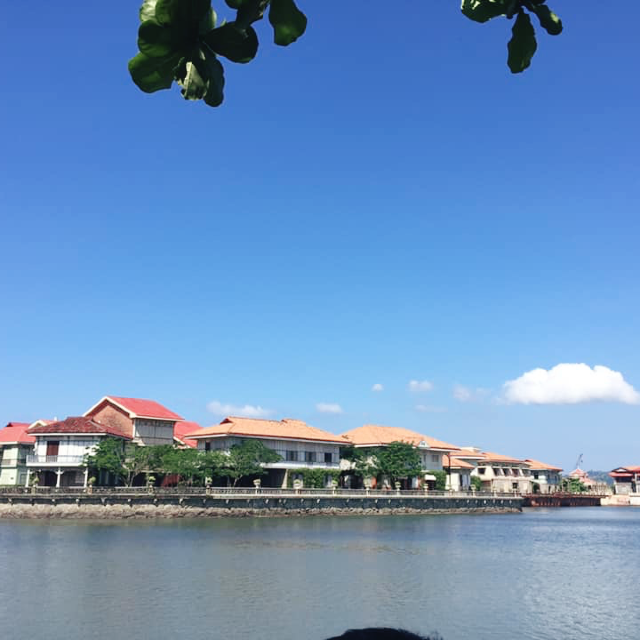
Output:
x=435 y=458
x=481 y=470
x=535 y=475
x=291 y=456
x=328 y=457
x=309 y=456
x=207 y=446
x=514 y=485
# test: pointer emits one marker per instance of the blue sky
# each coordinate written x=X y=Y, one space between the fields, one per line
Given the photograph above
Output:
x=381 y=202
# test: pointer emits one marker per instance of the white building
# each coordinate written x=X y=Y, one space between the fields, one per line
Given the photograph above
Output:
x=458 y=473
x=501 y=473
x=300 y=446
x=60 y=449
x=545 y=478
x=432 y=451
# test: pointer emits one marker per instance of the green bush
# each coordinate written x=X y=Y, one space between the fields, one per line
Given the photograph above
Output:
x=312 y=478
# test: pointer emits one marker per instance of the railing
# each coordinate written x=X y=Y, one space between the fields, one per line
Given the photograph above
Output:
x=33 y=459
x=263 y=491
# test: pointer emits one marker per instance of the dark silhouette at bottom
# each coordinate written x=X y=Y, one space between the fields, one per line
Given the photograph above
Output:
x=381 y=633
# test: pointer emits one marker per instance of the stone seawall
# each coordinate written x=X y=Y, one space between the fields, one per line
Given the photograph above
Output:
x=86 y=506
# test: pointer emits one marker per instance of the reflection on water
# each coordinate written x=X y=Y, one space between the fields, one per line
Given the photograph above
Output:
x=569 y=574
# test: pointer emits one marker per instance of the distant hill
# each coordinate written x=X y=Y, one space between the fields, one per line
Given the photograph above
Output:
x=600 y=476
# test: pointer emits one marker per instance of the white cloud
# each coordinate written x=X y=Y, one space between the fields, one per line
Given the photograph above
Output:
x=247 y=411
x=466 y=394
x=427 y=408
x=418 y=386
x=377 y=387
x=328 y=407
x=570 y=384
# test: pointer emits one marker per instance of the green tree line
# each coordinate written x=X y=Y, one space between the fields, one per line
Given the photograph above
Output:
x=126 y=460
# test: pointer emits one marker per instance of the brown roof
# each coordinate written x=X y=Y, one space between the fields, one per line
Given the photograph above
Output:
x=256 y=428
x=536 y=464
x=77 y=424
x=374 y=435
x=455 y=463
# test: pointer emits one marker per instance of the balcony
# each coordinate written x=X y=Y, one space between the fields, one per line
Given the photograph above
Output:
x=65 y=461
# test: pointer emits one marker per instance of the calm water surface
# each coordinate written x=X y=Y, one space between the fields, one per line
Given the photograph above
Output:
x=570 y=574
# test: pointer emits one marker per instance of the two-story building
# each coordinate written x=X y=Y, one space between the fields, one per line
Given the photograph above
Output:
x=626 y=480
x=61 y=446
x=372 y=436
x=60 y=449
x=545 y=478
x=146 y=422
x=298 y=444
x=15 y=445
x=502 y=473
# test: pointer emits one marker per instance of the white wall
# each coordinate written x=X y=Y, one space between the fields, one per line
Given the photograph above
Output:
x=152 y=432
x=282 y=447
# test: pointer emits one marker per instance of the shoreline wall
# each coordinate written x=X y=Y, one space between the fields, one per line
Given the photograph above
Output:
x=92 y=506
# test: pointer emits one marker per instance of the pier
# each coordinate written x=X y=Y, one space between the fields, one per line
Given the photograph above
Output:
x=561 y=500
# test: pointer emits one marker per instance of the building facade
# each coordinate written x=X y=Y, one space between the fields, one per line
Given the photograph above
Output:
x=371 y=436
x=626 y=480
x=503 y=474
x=299 y=445
x=545 y=478
x=15 y=445
x=58 y=458
x=146 y=422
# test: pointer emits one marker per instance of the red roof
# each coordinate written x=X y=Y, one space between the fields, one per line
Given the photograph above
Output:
x=139 y=408
x=16 y=432
x=77 y=424
x=182 y=428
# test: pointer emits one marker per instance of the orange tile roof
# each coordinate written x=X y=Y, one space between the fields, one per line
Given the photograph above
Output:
x=16 y=432
x=456 y=463
x=536 y=464
x=498 y=457
x=375 y=435
x=253 y=427
x=468 y=454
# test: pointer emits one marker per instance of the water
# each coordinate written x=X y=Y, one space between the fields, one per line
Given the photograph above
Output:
x=563 y=574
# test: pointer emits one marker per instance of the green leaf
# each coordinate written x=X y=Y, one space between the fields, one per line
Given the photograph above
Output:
x=157 y=41
x=548 y=19
x=522 y=45
x=288 y=22
x=208 y=22
x=152 y=74
x=148 y=10
x=202 y=77
x=238 y=45
x=182 y=14
x=483 y=10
